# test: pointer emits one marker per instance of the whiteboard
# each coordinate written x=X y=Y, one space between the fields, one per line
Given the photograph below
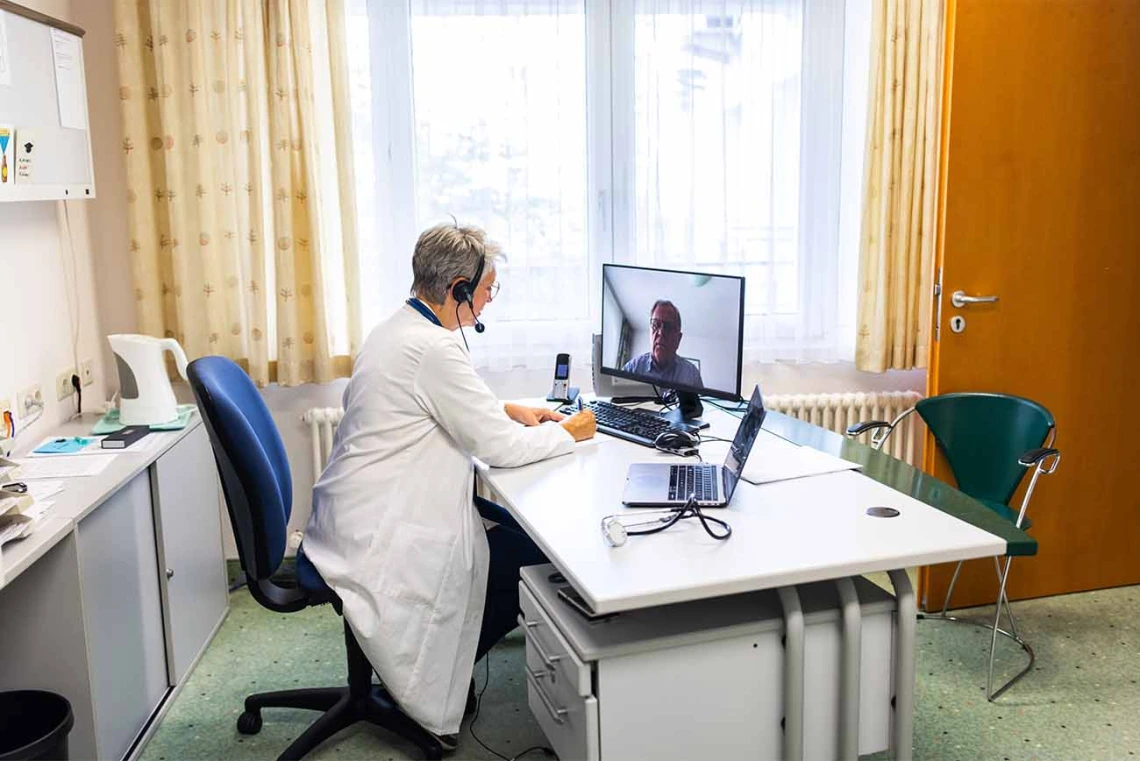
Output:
x=59 y=163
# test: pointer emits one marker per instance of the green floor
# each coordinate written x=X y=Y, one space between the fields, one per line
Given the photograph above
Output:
x=1080 y=702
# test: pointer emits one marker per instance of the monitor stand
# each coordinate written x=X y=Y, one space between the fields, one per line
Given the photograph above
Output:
x=687 y=415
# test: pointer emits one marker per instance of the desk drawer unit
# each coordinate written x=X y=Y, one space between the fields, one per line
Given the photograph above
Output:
x=709 y=678
x=559 y=685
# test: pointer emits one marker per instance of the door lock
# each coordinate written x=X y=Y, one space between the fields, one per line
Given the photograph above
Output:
x=957 y=323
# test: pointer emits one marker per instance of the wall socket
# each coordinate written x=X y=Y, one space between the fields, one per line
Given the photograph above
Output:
x=87 y=372
x=63 y=387
x=28 y=401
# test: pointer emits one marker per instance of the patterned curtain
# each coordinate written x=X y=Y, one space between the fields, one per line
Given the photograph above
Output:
x=240 y=188
x=896 y=256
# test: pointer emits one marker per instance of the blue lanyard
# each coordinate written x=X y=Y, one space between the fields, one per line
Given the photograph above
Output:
x=422 y=308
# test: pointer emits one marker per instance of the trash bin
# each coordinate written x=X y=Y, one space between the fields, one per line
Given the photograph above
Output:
x=34 y=724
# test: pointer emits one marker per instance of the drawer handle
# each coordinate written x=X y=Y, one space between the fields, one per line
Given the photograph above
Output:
x=556 y=714
x=549 y=660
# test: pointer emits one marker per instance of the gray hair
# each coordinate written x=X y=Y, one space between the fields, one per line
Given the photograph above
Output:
x=446 y=253
x=671 y=305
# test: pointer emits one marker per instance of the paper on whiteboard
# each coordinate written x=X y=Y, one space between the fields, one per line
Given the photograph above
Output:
x=776 y=459
x=65 y=51
x=63 y=467
x=5 y=61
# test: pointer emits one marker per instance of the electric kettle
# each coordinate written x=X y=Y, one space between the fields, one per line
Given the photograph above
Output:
x=144 y=387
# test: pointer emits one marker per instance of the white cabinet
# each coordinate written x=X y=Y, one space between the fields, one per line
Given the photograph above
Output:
x=86 y=606
x=123 y=613
x=192 y=569
x=699 y=679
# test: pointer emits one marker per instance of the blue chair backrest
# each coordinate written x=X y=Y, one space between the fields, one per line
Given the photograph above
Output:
x=983 y=435
x=251 y=460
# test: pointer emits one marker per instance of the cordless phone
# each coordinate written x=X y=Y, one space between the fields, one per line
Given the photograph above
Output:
x=561 y=391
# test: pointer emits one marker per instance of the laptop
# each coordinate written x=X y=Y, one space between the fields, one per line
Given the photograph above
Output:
x=660 y=484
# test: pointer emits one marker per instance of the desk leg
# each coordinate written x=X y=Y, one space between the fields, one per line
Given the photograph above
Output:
x=793 y=674
x=905 y=654
x=851 y=661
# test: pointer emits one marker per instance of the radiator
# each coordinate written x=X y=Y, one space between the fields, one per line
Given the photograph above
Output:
x=322 y=423
x=837 y=411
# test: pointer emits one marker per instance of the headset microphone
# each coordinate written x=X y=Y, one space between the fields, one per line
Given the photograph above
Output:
x=479 y=327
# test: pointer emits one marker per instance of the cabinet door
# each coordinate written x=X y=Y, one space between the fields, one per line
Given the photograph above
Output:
x=193 y=573
x=122 y=610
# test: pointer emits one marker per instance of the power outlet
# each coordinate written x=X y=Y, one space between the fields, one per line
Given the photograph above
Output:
x=87 y=372
x=63 y=387
x=28 y=401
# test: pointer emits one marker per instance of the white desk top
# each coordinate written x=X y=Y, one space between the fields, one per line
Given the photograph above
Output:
x=82 y=495
x=784 y=533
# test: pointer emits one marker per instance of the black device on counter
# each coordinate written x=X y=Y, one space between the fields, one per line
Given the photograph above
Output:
x=570 y=596
x=562 y=391
x=124 y=438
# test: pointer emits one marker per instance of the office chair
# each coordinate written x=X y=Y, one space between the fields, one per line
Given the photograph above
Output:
x=990 y=441
x=258 y=488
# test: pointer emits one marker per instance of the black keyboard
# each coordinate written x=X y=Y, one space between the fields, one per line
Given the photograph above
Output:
x=687 y=480
x=639 y=426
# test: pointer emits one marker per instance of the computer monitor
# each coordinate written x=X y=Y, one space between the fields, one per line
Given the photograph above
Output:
x=675 y=330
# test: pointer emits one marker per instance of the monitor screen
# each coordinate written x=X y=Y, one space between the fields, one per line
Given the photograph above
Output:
x=676 y=330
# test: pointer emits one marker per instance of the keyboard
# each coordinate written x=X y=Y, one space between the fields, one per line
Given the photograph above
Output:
x=639 y=426
x=686 y=480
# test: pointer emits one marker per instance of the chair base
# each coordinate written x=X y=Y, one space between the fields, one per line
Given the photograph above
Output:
x=341 y=710
x=342 y=707
x=989 y=628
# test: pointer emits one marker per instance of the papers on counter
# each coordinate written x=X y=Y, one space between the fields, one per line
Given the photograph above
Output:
x=776 y=459
x=63 y=467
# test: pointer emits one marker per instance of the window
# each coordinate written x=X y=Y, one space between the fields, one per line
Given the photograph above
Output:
x=713 y=136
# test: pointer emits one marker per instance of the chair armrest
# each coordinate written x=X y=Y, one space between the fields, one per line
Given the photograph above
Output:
x=857 y=429
x=1035 y=456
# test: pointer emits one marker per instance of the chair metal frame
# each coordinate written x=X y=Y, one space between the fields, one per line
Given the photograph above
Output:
x=1044 y=461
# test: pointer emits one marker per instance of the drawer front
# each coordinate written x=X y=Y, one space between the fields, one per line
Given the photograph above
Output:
x=547 y=650
x=569 y=721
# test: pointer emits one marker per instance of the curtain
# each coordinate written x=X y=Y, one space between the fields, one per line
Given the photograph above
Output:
x=240 y=181
x=896 y=272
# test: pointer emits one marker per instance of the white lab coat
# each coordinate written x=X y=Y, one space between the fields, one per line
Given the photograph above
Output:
x=394 y=530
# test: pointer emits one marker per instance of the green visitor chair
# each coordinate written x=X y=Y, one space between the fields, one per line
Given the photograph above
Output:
x=990 y=441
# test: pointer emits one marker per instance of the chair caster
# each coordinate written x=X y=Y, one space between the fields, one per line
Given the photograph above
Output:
x=249 y=723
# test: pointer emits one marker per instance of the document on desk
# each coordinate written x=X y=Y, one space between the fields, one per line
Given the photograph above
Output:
x=776 y=459
x=63 y=467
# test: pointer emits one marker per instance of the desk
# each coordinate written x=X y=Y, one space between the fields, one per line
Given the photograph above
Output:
x=119 y=589
x=784 y=533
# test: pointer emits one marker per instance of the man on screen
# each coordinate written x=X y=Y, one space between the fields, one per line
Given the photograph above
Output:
x=662 y=362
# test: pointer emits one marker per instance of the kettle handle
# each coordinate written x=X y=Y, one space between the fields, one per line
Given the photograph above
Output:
x=179 y=355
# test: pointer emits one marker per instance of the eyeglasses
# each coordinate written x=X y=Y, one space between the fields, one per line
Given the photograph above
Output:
x=493 y=289
x=662 y=326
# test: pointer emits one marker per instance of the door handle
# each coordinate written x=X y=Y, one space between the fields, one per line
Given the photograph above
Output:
x=170 y=573
x=959 y=299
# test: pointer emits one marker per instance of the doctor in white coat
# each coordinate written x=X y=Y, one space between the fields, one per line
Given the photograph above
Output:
x=395 y=530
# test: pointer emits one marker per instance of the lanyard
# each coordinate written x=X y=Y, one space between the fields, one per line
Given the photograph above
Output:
x=422 y=308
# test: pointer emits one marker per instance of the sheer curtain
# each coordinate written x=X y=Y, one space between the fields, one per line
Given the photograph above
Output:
x=497 y=136
x=735 y=145
x=687 y=134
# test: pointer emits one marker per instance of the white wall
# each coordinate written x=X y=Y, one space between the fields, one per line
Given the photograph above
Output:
x=36 y=322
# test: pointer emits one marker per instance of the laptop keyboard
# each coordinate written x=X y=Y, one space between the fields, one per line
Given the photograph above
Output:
x=685 y=480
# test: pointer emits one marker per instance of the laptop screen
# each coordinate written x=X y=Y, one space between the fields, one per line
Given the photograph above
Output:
x=742 y=443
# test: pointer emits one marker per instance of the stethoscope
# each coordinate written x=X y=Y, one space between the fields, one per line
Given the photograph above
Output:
x=616 y=532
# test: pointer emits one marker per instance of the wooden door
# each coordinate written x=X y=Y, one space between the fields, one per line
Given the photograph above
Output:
x=1040 y=205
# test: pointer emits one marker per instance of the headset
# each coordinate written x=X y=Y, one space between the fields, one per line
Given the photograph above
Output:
x=464 y=291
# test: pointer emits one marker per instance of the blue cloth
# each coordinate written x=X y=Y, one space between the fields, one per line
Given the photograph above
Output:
x=511 y=549
x=680 y=372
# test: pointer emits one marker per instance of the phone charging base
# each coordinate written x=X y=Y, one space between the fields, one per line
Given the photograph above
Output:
x=571 y=396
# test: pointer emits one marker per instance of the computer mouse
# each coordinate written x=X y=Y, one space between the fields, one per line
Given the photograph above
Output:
x=677 y=442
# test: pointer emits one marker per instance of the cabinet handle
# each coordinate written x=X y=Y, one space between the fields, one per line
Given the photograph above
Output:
x=549 y=660
x=556 y=714
x=170 y=573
